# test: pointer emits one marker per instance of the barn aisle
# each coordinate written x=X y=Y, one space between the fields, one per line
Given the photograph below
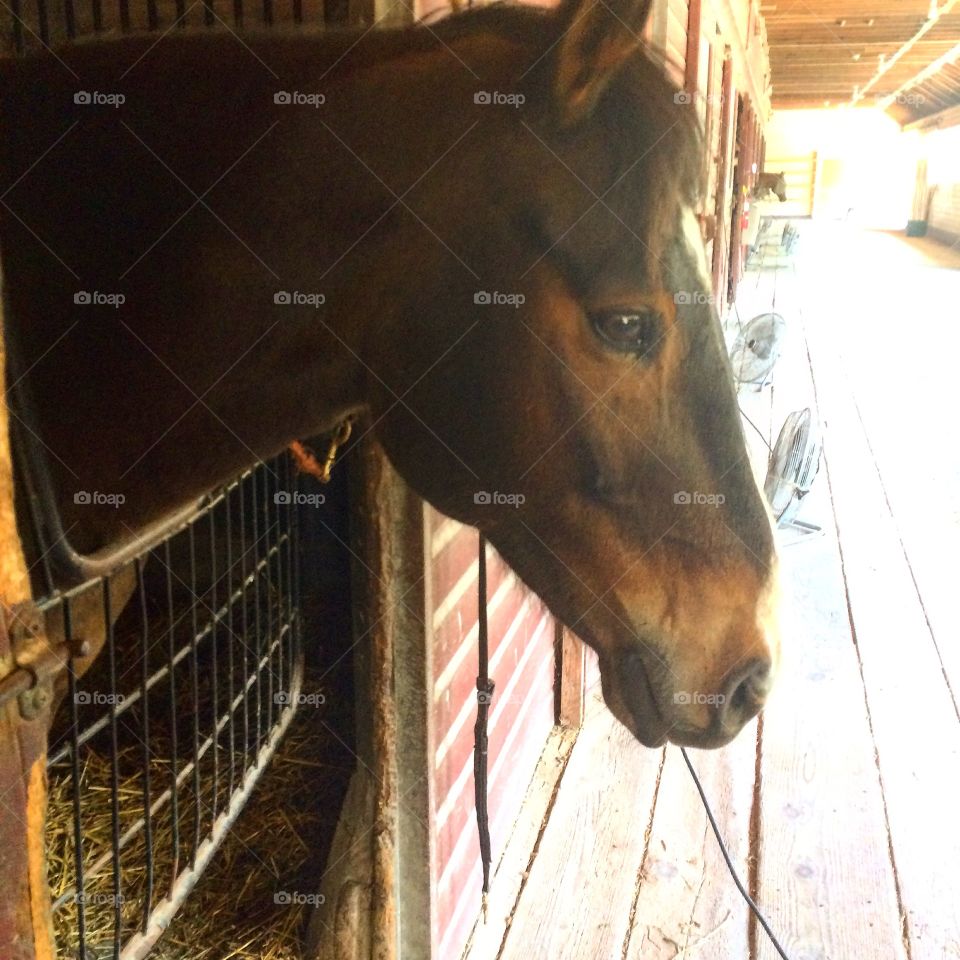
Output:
x=839 y=806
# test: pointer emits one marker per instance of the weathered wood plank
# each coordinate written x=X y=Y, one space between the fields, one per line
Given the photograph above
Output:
x=687 y=905
x=577 y=900
x=824 y=874
x=571 y=667
x=25 y=929
x=920 y=473
x=913 y=718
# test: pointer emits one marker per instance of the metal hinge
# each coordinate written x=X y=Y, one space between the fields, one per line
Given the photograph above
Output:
x=36 y=663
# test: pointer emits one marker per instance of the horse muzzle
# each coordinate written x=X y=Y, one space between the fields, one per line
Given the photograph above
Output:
x=656 y=711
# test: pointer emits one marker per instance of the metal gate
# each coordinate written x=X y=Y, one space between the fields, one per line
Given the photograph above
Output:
x=157 y=747
x=175 y=671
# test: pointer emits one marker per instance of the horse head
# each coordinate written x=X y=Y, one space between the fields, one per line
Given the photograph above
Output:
x=500 y=211
x=567 y=391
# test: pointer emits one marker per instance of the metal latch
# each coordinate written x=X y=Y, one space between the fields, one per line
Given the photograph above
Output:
x=36 y=662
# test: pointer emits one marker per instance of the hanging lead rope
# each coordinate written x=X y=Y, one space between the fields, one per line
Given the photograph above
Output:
x=484 y=697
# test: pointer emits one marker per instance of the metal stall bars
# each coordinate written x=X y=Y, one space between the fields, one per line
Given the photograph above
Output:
x=157 y=746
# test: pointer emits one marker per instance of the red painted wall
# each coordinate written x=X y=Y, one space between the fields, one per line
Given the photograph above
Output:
x=521 y=634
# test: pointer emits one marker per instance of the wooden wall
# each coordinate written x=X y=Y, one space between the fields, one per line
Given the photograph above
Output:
x=942 y=148
x=521 y=646
x=716 y=51
x=38 y=23
x=944 y=223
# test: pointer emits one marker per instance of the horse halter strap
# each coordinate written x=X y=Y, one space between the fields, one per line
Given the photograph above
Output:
x=484 y=697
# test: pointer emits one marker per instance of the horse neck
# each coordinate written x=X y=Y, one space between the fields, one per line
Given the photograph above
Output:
x=253 y=379
x=377 y=136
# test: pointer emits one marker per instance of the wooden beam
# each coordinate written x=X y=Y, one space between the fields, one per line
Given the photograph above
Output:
x=26 y=932
x=950 y=117
x=728 y=19
x=380 y=865
x=721 y=240
x=919 y=35
x=571 y=669
x=931 y=70
x=691 y=80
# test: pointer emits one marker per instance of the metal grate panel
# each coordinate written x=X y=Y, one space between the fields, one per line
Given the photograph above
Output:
x=157 y=747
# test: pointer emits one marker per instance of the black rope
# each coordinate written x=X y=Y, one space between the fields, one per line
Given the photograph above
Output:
x=484 y=697
x=726 y=856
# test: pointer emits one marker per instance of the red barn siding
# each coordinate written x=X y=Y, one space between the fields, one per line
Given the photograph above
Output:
x=521 y=635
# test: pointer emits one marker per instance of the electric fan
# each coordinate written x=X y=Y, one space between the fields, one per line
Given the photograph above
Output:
x=757 y=348
x=792 y=468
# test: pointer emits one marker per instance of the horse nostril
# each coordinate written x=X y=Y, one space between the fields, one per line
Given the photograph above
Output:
x=744 y=692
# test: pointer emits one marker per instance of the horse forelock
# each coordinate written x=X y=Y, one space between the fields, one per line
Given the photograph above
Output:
x=641 y=144
x=658 y=156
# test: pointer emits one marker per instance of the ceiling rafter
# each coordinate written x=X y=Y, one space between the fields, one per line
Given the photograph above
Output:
x=890 y=53
x=927 y=73
x=888 y=65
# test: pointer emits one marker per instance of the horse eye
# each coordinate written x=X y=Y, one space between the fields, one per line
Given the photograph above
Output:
x=628 y=331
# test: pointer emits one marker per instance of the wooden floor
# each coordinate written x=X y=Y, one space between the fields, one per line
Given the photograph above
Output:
x=841 y=807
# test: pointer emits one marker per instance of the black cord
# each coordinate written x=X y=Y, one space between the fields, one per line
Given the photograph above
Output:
x=726 y=856
x=766 y=442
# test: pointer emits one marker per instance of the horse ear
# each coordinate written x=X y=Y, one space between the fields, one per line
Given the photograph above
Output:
x=598 y=36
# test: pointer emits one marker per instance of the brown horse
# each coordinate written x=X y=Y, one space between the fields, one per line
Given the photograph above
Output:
x=482 y=232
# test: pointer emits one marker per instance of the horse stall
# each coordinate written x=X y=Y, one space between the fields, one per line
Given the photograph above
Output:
x=176 y=669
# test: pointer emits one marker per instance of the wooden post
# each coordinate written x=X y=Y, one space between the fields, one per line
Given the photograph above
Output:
x=570 y=678
x=744 y=128
x=691 y=80
x=25 y=927
x=377 y=892
x=721 y=243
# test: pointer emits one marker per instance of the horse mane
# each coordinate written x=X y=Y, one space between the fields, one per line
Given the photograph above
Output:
x=656 y=141
x=653 y=141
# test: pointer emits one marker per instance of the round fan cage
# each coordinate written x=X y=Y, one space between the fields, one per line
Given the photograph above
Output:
x=757 y=348
x=793 y=466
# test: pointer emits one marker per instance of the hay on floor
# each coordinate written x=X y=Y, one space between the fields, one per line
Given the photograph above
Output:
x=237 y=911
